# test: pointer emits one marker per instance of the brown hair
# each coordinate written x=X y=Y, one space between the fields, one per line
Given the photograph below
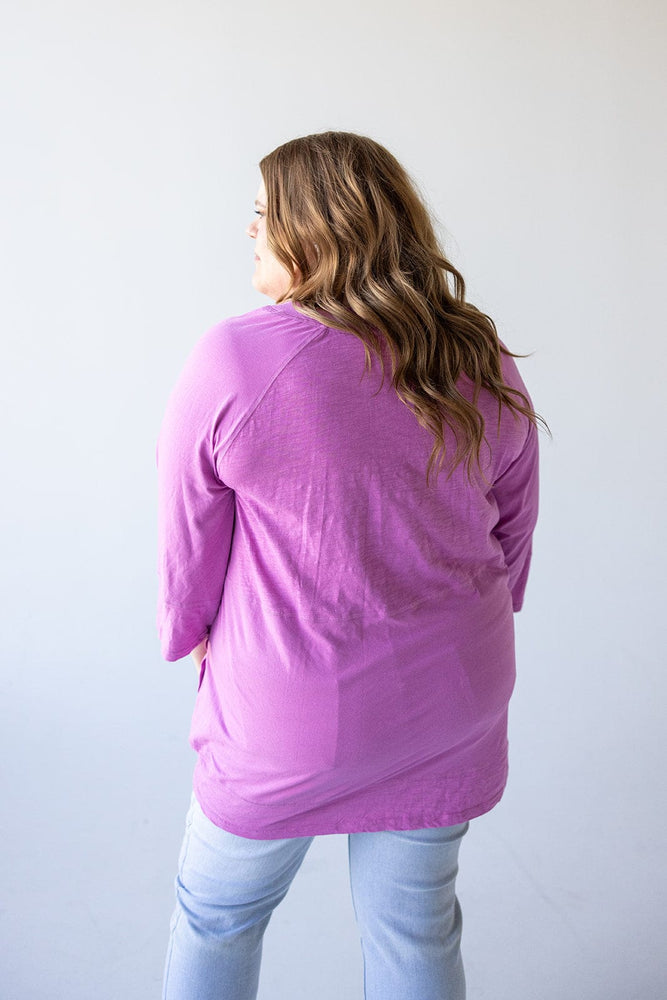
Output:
x=344 y=217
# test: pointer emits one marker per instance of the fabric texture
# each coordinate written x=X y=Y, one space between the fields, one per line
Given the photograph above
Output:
x=361 y=642
x=403 y=890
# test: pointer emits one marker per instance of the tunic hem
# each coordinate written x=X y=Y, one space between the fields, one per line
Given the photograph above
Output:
x=338 y=817
x=364 y=824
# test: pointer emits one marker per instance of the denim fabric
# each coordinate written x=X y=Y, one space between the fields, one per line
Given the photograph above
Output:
x=403 y=890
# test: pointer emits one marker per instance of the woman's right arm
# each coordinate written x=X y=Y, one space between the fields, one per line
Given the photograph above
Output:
x=195 y=513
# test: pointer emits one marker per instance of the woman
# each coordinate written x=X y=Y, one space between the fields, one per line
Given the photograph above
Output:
x=348 y=489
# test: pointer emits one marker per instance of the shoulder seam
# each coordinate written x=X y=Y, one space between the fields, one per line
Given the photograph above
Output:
x=288 y=360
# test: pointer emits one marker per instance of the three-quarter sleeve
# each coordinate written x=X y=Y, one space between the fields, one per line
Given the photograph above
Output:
x=195 y=512
x=516 y=494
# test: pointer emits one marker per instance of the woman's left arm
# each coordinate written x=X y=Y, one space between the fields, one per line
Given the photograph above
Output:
x=195 y=512
x=517 y=494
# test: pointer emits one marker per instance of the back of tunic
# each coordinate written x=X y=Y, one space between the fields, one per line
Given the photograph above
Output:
x=361 y=650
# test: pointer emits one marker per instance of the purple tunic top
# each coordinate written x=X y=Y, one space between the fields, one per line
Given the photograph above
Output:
x=361 y=643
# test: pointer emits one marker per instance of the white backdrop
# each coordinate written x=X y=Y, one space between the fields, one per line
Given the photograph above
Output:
x=131 y=134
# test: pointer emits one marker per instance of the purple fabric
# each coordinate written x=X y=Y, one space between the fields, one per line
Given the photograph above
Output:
x=361 y=642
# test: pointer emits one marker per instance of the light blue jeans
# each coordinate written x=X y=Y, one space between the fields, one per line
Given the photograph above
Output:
x=403 y=890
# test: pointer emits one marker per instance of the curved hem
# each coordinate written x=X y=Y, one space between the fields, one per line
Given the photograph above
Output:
x=363 y=824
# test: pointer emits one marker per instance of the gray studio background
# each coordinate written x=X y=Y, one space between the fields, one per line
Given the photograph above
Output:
x=131 y=133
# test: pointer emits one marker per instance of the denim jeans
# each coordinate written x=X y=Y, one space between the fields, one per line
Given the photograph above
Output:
x=403 y=890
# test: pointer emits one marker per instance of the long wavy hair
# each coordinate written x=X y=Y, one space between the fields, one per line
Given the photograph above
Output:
x=345 y=219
